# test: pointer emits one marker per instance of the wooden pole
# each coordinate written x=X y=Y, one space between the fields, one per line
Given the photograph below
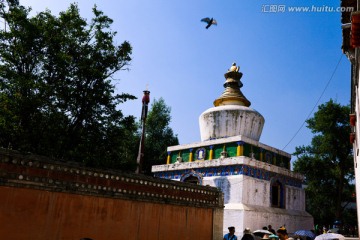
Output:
x=140 y=157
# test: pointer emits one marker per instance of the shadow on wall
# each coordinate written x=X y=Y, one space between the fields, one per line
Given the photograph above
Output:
x=223 y=184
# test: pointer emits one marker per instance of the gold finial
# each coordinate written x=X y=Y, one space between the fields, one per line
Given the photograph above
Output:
x=234 y=68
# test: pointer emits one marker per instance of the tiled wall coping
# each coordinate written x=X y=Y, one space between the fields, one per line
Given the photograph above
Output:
x=37 y=172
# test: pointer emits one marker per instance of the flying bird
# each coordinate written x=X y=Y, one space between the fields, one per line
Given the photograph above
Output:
x=209 y=21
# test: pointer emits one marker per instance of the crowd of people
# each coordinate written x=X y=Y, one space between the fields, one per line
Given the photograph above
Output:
x=280 y=234
x=346 y=230
x=268 y=233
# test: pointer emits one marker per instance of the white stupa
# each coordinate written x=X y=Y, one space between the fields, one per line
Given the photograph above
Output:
x=259 y=187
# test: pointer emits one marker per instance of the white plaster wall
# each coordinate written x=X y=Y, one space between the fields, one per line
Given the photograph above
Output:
x=295 y=198
x=247 y=204
x=291 y=219
x=241 y=189
x=230 y=120
x=256 y=192
x=234 y=218
x=231 y=186
x=255 y=217
x=249 y=190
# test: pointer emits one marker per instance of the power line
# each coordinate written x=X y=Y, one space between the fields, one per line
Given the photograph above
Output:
x=312 y=110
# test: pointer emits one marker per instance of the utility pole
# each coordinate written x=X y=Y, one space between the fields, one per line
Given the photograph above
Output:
x=140 y=157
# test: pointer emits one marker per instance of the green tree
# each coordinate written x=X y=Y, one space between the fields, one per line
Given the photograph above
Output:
x=56 y=93
x=158 y=134
x=327 y=163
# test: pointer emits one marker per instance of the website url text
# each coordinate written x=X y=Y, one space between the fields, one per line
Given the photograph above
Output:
x=277 y=8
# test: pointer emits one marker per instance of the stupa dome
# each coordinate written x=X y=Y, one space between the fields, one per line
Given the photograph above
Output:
x=231 y=114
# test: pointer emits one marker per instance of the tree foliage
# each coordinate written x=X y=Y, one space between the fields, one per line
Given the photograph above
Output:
x=327 y=163
x=159 y=135
x=56 y=93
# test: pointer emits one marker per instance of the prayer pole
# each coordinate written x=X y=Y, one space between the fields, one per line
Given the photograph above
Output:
x=140 y=157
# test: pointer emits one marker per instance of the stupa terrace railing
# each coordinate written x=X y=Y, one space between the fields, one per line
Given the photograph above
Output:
x=228 y=147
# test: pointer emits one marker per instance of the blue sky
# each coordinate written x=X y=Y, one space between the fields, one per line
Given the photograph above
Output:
x=287 y=58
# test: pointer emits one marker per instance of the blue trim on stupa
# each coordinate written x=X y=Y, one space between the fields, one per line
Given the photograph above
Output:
x=232 y=170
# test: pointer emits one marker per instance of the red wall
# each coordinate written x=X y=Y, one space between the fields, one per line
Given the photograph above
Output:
x=27 y=214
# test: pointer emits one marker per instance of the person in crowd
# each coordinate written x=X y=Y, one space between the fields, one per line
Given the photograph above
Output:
x=248 y=235
x=282 y=233
x=270 y=229
x=231 y=235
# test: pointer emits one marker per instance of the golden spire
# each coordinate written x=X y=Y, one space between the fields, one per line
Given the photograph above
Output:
x=232 y=94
